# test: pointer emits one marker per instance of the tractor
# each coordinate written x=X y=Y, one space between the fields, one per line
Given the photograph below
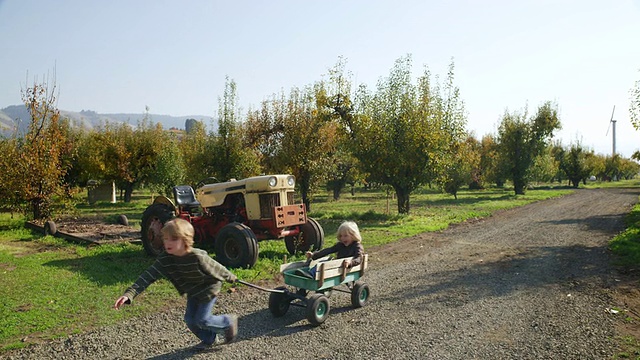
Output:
x=232 y=217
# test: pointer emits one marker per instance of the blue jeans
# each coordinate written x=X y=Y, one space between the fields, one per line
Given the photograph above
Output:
x=202 y=322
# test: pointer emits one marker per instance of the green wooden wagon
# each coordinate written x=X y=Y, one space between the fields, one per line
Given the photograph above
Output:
x=313 y=293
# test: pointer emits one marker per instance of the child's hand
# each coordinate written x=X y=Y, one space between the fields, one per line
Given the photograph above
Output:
x=347 y=264
x=309 y=254
x=232 y=278
x=121 y=301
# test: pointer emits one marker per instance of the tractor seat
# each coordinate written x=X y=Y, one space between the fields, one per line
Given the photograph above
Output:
x=185 y=197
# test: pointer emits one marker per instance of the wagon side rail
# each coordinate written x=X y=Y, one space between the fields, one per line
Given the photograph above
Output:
x=333 y=268
x=328 y=273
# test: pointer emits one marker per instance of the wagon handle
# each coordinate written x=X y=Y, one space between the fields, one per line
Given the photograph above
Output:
x=280 y=291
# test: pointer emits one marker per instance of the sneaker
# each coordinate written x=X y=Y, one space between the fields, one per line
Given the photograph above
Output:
x=231 y=332
x=304 y=272
x=203 y=346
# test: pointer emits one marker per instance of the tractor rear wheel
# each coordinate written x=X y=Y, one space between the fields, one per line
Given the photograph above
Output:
x=236 y=246
x=311 y=237
x=153 y=220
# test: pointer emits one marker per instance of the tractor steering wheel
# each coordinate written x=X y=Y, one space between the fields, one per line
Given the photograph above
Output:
x=209 y=180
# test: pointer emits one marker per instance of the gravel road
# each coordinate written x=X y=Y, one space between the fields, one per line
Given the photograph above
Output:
x=528 y=283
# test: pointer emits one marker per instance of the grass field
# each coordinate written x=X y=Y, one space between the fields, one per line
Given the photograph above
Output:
x=51 y=288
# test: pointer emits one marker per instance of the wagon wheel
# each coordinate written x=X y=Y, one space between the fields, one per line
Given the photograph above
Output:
x=153 y=220
x=317 y=309
x=359 y=294
x=236 y=246
x=311 y=236
x=279 y=302
x=50 y=228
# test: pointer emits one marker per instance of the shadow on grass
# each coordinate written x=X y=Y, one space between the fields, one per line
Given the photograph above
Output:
x=108 y=267
x=462 y=200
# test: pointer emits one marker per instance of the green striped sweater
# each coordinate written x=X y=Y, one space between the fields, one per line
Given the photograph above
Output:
x=195 y=274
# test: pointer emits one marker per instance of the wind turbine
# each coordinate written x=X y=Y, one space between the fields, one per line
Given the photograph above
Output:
x=614 y=130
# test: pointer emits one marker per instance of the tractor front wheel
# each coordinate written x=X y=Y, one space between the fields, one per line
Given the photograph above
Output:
x=236 y=246
x=153 y=220
x=310 y=237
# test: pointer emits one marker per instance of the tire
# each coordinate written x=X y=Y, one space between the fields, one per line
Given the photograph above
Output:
x=50 y=228
x=359 y=294
x=236 y=246
x=153 y=219
x=317 y=309
x=122 y=220
x=279 y=303
x=311 y=237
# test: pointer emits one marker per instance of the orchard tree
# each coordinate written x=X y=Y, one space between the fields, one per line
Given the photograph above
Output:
x=521 y=140
x=612 y=165
x=345 y=167
x=39 y=165
x=629 y=169
x=596 y=164
x=295 y=134
x=10 y=191
x=490 y=163
x=169 y=169
x=459 y=167
x=229 y=158
x=193 y=150
x=129 y=156
x=308 y=136
x=34 y=165
x=477 y=174
x=343 y=170
x=72 y=157
x=404 y=131
x=574 y=164
x=545 y=166
x=634 y=106
x=262 y=131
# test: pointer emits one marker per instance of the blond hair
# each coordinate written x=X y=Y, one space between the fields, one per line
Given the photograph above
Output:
x=351 y=228
x=181 y=229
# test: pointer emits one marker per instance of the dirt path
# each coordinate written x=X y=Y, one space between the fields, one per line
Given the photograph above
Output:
x=529 y=283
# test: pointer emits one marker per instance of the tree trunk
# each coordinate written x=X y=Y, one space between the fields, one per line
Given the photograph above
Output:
x=336 y=193
x=36 y=208
x=402 y=193
x=128 y=191
x=575 y=182
x=518 y=186
x=304 y=192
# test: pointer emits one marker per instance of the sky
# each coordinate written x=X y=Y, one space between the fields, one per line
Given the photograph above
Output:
x=121 y=56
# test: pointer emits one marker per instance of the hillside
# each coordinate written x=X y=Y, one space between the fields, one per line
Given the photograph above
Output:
x=16 y=116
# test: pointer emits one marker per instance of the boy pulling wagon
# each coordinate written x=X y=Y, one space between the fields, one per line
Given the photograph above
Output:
x=193 y=272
